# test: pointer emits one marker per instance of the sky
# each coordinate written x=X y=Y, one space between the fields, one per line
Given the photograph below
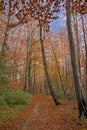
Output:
x=57 y=25
x=60 y=23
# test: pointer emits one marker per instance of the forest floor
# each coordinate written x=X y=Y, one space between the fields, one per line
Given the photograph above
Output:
x=42 y=114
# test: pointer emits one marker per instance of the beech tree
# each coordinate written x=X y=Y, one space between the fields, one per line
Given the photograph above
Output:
x=76 y=74
x=58 y=69
x=42 y=38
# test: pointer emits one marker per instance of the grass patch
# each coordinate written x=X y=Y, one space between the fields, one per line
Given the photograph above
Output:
x=12 y=102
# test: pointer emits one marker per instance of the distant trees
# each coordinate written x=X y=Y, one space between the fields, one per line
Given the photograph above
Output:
x=30 y=41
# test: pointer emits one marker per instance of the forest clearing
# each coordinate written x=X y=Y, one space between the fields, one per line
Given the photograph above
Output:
x=43 y=64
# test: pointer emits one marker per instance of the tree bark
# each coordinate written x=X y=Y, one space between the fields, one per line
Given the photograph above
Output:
x=6 y=31
x=29 y=71
x=85 y=42
x=77 y=41
x=77 y=80
x=58 y=69
x=26 y=73
x=48 y=78
x=34 y=76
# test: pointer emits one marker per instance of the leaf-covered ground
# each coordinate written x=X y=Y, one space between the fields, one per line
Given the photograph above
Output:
x=42 y=114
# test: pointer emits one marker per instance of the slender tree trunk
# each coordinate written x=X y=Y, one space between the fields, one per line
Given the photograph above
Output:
x=25 y=80
x=29 y=72
x=26 y=72
x=48 y=78
x=6 y=31
x=30 y=43
x=85 y=42
x=46 y=91
x=58 y=69
x=78 y=84
x=34 y=84
x=77 y=41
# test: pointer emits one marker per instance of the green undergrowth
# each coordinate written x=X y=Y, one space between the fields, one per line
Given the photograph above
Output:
x=10 y=112
x=12 y=102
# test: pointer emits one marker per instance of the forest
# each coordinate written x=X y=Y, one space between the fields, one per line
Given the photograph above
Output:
x=43 y=64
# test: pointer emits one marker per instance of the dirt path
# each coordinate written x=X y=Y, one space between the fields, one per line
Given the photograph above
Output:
x=47 y=116
x=42 y=114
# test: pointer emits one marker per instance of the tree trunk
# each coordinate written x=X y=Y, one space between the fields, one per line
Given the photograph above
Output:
x=29 y=72
x=48 y=78
x=6 y=31
x=77 y=41
x=46 y=91
x=26 y=75
x=26 y=72
x=58 y=69
x=85 y=42
x=77 y=80
x=34 y=76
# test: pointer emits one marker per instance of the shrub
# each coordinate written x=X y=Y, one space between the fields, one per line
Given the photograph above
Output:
x=3 y=90
x=2 y=101
x=14 y=97
x=13 y=101
x=17 y=97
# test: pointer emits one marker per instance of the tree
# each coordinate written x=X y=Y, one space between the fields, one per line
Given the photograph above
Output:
x=77 y=80
x=42 y=24
x=85 y=42
x=58 y=69
x=30 y=40
x=5 y=72
x=80 y=6
x=77 y=39
x=7 y=6
x=48 y=78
